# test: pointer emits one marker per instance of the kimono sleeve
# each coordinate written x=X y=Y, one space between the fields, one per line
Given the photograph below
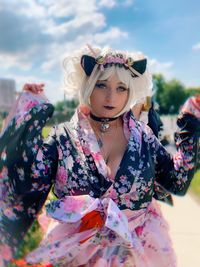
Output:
x=27 y=168
x=175 y=173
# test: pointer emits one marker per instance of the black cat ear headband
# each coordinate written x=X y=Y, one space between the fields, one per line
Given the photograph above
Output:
x=88 y=63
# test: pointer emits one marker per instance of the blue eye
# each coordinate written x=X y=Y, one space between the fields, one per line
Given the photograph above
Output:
x=122 y=89
x=100 y=85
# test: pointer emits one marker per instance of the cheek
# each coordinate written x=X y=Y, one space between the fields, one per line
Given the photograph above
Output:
x=92 y=97
x=95 y=98
x=96 y=95
x=124 y=98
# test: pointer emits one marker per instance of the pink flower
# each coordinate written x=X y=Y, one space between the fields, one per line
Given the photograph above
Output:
x=113 y=194
x=9 y=213
x=36 y=147
x=122 y=178
x=30 y=105
x=134 y=196
x=60 y=153
x=19 y=207
x=97 y=156
x=73 y=204
x=4 y=173
x=131 y=124
x=19 y=121
x=127 y=197
x=5 y=252
x=86 y=150
x=139 y=230
x=39 y=155
x=62 y=175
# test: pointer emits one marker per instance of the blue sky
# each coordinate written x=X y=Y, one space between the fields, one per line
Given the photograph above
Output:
x=35 y=36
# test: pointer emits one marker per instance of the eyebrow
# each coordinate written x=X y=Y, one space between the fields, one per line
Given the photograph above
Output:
x=121 y=83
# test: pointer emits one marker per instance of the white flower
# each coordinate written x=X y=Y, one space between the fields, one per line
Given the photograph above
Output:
x=70 y=163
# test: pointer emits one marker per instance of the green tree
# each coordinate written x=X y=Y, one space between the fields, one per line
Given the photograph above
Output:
x=192 y=91
x=63 y=111
x=169 y=95
x=159 y=86
x=61 y=106
x=174 y=96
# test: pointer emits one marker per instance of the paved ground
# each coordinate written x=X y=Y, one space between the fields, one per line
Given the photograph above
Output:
x=184 y=220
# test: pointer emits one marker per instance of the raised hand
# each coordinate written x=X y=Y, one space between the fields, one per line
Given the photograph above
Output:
x=192 y=106
x=35 y=88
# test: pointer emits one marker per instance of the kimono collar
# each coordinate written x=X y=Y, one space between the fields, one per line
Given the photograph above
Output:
x=88 y=140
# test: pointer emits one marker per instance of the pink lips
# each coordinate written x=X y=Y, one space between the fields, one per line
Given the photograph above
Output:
x=109 y=107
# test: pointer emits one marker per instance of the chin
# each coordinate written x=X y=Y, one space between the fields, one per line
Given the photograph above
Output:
x=105 y=113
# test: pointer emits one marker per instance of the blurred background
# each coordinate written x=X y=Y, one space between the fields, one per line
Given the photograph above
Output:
x=36 y=35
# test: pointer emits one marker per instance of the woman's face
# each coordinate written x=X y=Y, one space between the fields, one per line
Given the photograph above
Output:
x=108 y=97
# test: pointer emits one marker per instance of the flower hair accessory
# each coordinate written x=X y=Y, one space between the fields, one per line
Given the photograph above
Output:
x=88 y=63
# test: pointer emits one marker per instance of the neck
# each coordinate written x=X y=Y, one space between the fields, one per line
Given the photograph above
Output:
x=102 y=119
x=104 y=125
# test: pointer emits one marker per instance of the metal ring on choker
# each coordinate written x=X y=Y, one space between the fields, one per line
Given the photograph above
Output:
x=104 y=122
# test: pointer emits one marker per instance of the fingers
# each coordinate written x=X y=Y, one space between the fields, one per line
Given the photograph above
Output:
x=192 y=106
x=34 y=88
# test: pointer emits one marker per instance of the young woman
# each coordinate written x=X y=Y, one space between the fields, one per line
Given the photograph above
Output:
x=105 y=167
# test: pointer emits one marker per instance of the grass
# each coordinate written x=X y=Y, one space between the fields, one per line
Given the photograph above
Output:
x=31 y=240
x=195 y=185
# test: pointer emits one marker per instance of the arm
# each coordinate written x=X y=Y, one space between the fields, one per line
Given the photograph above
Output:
x=175 y=173
x=153 y=120
x=27 y=168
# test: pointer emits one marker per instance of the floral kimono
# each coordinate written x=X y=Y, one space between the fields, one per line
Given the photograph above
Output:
x=96 y=220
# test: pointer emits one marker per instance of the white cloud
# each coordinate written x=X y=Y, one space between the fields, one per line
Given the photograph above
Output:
x=76 y=26
x=27 y=8
x=48 y=65
x=8 y=61
x=46 y=24
x=66 y=8
x=196 y=46
x=161 y=67
x=57 y=52
x=128 y=2
x=40 y=33
x=109 y=35
x=107 y=3
x=113 y=3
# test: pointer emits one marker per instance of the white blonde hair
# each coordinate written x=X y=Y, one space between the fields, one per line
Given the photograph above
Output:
x=77 y=83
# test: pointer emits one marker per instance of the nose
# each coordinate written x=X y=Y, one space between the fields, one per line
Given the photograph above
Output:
x=110 y=95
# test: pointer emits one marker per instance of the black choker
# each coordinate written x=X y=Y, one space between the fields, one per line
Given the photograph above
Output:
x=104 y=122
